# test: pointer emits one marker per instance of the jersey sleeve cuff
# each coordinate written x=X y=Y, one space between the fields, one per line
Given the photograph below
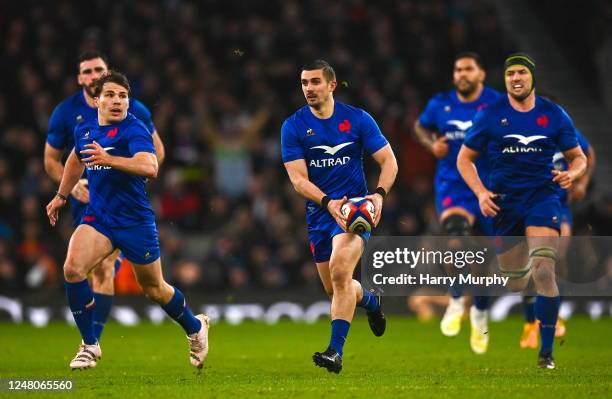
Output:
x=430 y=126
x=56 y=145
x=143 y=149
x=290 y=158
x=571 y=147
x=472 y=147
x=377 y=148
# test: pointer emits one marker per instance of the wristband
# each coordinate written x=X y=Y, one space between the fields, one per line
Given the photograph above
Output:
x=62 y=196
x=381 y=191
x=325 y=201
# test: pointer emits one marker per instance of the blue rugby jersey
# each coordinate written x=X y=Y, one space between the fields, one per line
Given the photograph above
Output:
x=333 y=150
x=451 y=118
x=116 y=198
x=520 y=145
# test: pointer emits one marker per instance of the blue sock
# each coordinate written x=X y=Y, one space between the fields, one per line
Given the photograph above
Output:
x=101 y=312
x=456 y=291
x=340 y=329
x=369 y=301
x=177 y=309
x=547 y=310
x=529 y=308
x=81 y=302
x=481 y=302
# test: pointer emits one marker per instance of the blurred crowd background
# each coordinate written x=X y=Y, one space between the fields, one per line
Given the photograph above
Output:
x=219 y=78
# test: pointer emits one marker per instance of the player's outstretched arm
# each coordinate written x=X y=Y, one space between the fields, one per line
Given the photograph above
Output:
x=298 y=174
x=73 y=170
x=141 y=164
x=467 y=169
x=577 y=164
x=385 y=158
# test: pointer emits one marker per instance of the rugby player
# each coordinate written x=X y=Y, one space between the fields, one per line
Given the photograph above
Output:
x=441 y=128
x=117 y=150
x=322 y=149
x=520 y=134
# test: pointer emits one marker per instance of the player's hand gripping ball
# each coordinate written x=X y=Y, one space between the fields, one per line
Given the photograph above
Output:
x=359 y=213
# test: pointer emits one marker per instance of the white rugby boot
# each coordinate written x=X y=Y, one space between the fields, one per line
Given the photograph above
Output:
x=198 y=343
x=451 y=322
x=479 y=336
x=86 y=357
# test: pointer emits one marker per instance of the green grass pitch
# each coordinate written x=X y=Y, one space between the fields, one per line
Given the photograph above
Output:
x=254 y=360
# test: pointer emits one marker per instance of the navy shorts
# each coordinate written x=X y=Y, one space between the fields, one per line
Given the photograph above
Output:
x=321 y=237
x=450 y=193
x=77 y=210
x=138 y=244
x=530 y=207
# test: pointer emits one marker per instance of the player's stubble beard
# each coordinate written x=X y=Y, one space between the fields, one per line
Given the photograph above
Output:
x=89 y=89
x=468 y=90
x=318 y=104
x=315 y=105
x=521 y=97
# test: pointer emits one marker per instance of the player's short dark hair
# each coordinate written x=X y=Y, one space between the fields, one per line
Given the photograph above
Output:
x=90 y=55
x=472 y=55
x=328 y=71
x=112 y=77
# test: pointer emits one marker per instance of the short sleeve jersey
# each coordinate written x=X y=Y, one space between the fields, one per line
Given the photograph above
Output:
x=451 y=118
x=333 y=150
x=117 y=198
x=520 y=145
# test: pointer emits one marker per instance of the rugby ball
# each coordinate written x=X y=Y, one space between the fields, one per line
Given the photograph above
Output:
x=360 y=214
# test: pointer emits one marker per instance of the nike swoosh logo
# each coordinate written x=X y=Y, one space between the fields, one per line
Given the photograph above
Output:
x=108 y=148
x=461 y=125
x=525 y=140
x=332 y=150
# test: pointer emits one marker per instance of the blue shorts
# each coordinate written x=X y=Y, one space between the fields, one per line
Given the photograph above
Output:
x=566 y=214
x=530 y=207
x=77 y=209
x=139 y=244
x=450 y=193
x=321 y=237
